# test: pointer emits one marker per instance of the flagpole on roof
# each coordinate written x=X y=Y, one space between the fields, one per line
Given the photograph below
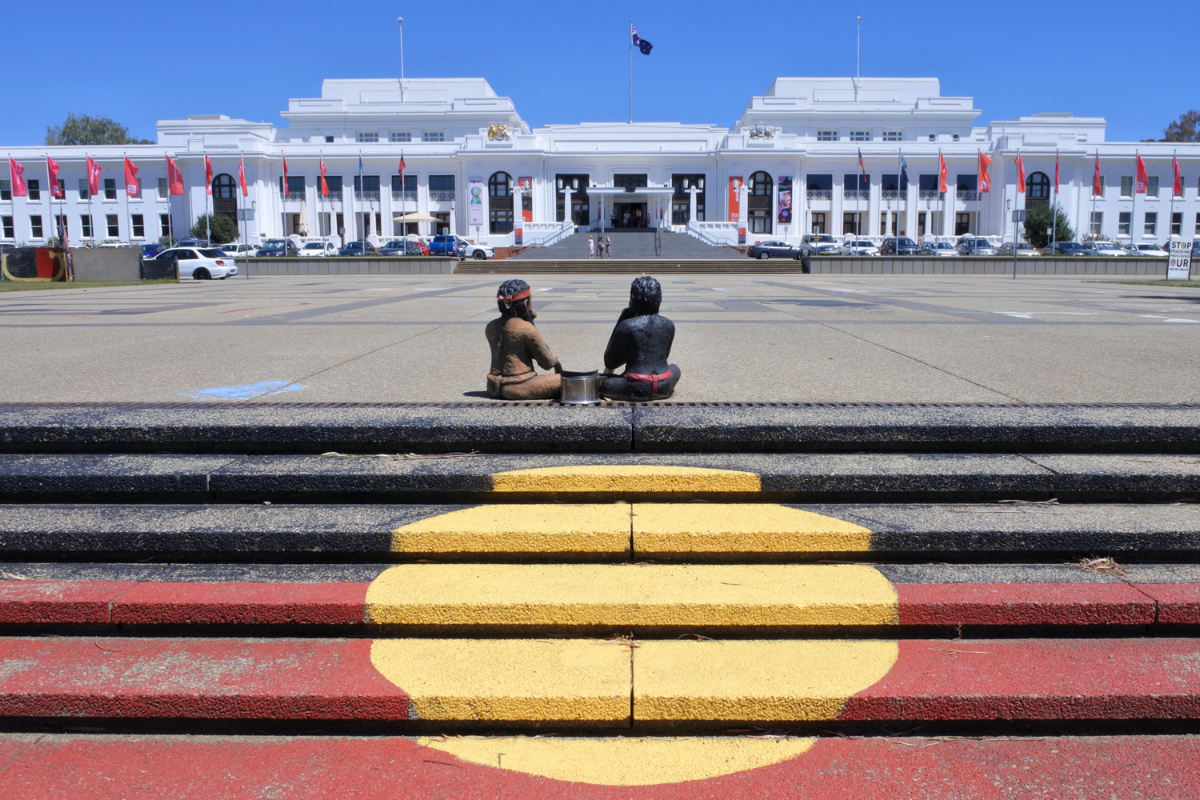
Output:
x=630 y=72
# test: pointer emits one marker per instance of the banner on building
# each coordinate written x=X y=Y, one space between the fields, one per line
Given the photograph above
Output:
x=526 y=185
x=735 y=196
x=475 y=201
x=785 y=199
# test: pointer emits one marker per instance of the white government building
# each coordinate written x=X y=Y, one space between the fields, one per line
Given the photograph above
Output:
x=474 y=167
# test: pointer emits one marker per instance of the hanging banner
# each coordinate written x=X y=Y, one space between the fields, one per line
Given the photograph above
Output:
x=526 y=185
x=735 y=194
x=785 y=199
x=475 y=201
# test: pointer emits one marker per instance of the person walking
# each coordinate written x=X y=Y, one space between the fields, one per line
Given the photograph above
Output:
x=608 y=247
x=591 y=248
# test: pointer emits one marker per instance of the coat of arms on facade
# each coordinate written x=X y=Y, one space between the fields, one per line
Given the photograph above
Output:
x=760 y=131
x=499 y=133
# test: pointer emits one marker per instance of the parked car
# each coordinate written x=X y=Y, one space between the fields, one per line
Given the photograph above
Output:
x=404 y=247
x=1065 y=249
x=319 y=249
x=359 y=248
x=151 y=250
x=772 y=249
x=1102 y=248
x=240 y=250
x=975 y=246
x=859 y=247
x=199 y=263
x=818 y=244
x=1147 y=251
x=942 y=249
x=113 y=243
x=1023 y=249
x=899 y=246
x=193 y=243
x=450 y=244
x=278 y=247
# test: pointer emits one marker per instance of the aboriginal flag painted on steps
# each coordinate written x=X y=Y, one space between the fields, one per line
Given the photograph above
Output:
x=639 y=42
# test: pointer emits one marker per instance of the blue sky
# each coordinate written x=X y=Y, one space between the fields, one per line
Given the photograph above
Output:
x=138 y=62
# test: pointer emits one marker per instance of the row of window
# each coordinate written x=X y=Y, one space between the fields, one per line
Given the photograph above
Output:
x=441 y=187
x=401 y=137
x=112 y=223
x=866 y=136
x=1149 y=223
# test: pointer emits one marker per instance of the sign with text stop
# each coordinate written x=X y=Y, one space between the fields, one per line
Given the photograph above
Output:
x=1179 y=268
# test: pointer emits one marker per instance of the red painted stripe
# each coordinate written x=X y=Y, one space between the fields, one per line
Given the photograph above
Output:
x=243 y=604
x=1024 y=604
x=27 y=602
x=1036 y=679
x=195 y=678
x=108 y=768
x=1178 y=603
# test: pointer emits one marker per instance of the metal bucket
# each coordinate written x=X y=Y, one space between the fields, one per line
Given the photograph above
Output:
x=580 y=388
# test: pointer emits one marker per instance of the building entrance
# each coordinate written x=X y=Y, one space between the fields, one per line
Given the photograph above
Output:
x=629 y=215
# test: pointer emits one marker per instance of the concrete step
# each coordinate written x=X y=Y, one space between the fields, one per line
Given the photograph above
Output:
x=689 y=685
x=673 y=266
x=770 y=478
x=328 y=535
x=770 y=764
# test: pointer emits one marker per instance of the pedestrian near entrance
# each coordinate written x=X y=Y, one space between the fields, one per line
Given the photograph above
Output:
x=608 y=247
x=591 y=248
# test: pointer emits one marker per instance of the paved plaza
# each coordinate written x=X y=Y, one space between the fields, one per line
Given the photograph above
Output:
x=764 y=338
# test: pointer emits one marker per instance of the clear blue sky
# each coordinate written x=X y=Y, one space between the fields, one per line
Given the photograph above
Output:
x=139 y=62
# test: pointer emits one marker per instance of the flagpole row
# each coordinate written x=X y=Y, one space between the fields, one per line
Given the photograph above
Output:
x=631 y=72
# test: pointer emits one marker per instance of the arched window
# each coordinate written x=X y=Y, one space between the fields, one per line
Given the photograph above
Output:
x=758 y=204
x=500 y=203
x=1037 y=190
x=224 y=188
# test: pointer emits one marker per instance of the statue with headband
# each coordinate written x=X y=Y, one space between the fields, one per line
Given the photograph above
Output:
x=642 y=343
x=516 y=345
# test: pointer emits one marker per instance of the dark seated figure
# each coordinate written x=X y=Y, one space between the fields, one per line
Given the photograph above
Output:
x=642 y=343
x=516 y=346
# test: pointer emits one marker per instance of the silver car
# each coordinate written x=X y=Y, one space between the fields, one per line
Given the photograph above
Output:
x=975 y=246
x=941 y=249
x=1105 y=249
x=1023 y=249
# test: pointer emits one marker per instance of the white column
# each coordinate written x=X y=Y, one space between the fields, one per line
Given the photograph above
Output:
x=692 y=203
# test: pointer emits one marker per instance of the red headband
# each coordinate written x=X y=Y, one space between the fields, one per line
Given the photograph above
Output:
x=512 y=298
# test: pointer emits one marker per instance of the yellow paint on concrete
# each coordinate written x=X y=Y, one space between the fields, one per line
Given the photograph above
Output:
x=677 y=528
x=621 y=479
x=520 y=529
x=632 y=761
x=754 y=681
x=760 y=595
x=509 y=680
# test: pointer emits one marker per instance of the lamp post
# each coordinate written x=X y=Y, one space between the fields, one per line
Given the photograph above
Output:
x=566 y=191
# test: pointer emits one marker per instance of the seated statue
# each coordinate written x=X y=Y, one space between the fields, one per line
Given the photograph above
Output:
x=642 y=342
x=516 y=345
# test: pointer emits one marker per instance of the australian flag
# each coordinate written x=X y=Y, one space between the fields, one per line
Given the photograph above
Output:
x=639 y=42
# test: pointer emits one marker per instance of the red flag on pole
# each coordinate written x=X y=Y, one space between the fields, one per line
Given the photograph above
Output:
x=242 y=177
x=131 y=181
x=1097 y=181
x=1178 y=187
x=1020 y=174
x=285 y=186
x=207 y=176
x=1056 y=172
x=52 y=174
x=93 y=172
x=1139 y=183
x=985 y=177
x=19 y=188
x=324 y=185
x=402 y=163
x=941 y=171
x=174 y=177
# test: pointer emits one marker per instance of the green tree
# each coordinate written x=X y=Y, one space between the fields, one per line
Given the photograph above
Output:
x=1184 y=129
x=1041 y=218
x=84 y=129
x=219 y=228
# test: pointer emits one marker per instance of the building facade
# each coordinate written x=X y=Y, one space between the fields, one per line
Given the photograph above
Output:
x=811 y=154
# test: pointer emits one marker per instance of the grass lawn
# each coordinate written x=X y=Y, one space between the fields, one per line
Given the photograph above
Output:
x=23 y=286
x=1184 y=284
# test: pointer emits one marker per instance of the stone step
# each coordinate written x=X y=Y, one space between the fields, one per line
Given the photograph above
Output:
x=674 y=266
x=482 y=684
x=324 y=535
x=642 y=600
x=791 y=478
x=758 y=764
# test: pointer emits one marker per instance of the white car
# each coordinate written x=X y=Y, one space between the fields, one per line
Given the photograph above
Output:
x=199 y=264
x=1105 y=249
x=859 y=247
x=319 y=249
x=818 y=244
x=940 y=249
x=239 y=250
x=1023 y=249
x=1147 y=251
